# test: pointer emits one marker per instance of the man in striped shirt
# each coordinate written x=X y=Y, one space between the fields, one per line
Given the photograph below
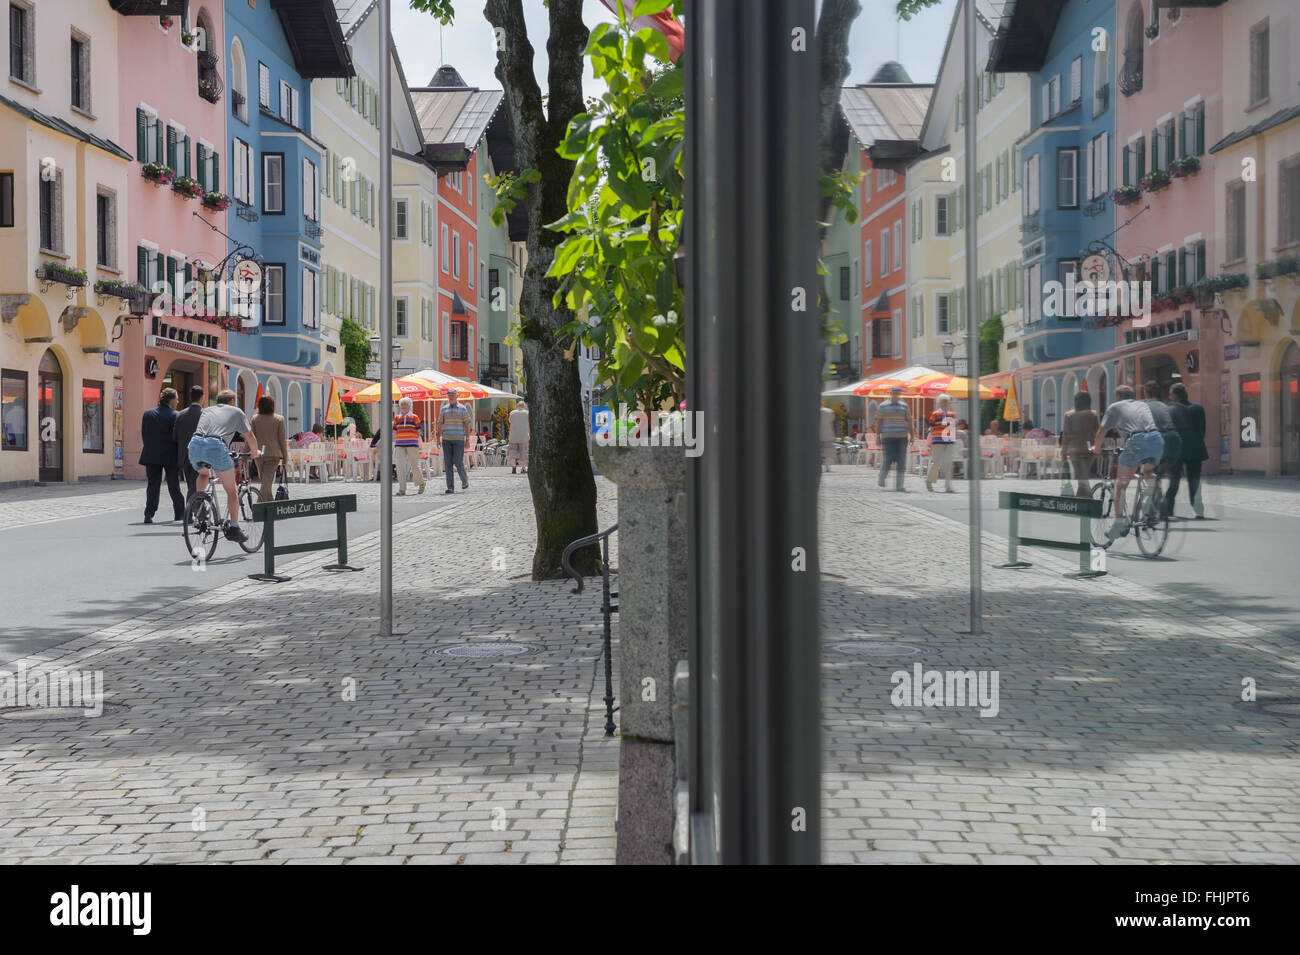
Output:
x=406 y=444
x=894 y=425
x=453 y=426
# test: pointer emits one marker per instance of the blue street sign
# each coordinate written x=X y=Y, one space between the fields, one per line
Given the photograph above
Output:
x=1231 y=352
x=112 y=358
x=601 y=419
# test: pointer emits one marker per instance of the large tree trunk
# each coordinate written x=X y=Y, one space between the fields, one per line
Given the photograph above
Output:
x=559 y=472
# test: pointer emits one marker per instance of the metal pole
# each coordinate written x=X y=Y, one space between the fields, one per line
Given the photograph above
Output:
x=385 y=320
x=975 y=459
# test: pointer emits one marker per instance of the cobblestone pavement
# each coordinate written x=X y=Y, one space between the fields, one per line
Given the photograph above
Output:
x=238 y=744
x=1118 y=707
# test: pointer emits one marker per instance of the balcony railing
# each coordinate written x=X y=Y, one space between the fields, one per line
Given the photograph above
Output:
x=1130 y=78
x=245 y=211
x=1101 y=101
x=1031 y=223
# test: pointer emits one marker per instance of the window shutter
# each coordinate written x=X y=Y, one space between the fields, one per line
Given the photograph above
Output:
x=1200 y=260
x=171 y=147
x=1142 y=158
x=1046 y=104
x=189 y=277
x=215 y=184
x=251 y=174
x=158 y=138
x=189 y=169
x=203 y=167
x=1200 y=129
x=306 y=188
x=1155 y=274
x=170 y=275
x=1182 y=268
x=142 y=265
x=141 y=135
x=1128 y=177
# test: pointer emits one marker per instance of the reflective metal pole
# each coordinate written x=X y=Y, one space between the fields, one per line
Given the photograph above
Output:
x=975 y=461
x=385 y=321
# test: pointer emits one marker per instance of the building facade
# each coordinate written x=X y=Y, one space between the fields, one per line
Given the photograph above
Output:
x=64 y=182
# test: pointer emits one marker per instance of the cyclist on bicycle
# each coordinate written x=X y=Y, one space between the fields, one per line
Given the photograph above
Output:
x=218 y=424
x=1143 y=447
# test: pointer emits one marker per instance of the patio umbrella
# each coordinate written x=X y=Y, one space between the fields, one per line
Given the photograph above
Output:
x=412 y=388
x=953 y=386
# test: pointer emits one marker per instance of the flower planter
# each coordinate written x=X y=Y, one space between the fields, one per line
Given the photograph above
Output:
x=53 y=272
x=1155 y=181
x=1187 y=166
x=187 y=188
x=158 y=174
x=209 y=91
x=216 y=201
x=1152 y=31
x=1126 y=195
x=165 y=22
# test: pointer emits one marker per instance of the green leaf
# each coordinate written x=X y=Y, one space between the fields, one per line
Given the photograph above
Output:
x=670 y=84
x=648 y=8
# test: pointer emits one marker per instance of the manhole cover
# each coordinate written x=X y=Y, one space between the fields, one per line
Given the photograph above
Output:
x=872 y=648
x=57 y=712
x=485 y=651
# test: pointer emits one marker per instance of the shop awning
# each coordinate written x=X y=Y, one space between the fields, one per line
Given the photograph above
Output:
x=291 y=372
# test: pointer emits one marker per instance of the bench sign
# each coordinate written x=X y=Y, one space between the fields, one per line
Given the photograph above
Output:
x=281 y=509
x=1078 y=506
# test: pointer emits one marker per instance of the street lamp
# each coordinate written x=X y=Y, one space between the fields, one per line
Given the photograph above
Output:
x=375 y=345
x=948 y=347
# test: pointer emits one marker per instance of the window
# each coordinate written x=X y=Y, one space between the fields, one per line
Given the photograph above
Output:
x=50 y=199
x=1030 y=203
x=92 y=416
x=400 y=319
x=1258 y=63
x=274 y=279
x=1064 y=269
x=106 y=229
x=1034 y=293
x=310 y=308
x=941 y=215
x=1099 y=166
x=884 y=253
x=80 y=57
x=866 y=265
x=208 y=177
x=310 y=191
x=455 y=255
x=1076 y=80
x=1192 y=125
x=1288 y=185
x=264 y=86
x=1235 y=240
x=290 y=104
x=238 y=80
x=13 y=409
x=1249 y=405
x=941 y=306
x=845 y=288
x=1135 y=156
x=1051 y=105
x=22 y=47
x=1101 y=80
x=882 y=338
x=469 y=259
x=459 y=341
x=446 y=249
x=400 y=215
x=446 y=337
x=273 y=183
x=898 y=245
x=6 y=200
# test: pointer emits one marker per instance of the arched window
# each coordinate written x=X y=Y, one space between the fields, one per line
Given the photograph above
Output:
x=237 y=79
x=1101 y=78
x=293 y=409
x=1049 y=419
x=1134 y=43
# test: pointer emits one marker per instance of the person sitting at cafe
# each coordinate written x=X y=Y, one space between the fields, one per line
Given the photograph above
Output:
x=308 y=438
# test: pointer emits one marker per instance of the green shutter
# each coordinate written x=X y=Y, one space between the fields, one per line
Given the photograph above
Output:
x=1200 y=260
x=1200 y=129
x=1142 y=158
x=142 y=265
x=141 y=135
x=215 y=185
x=1125 y=163
x=158 y=137
x=202 y=176
x=171 y=148
x=189 y=170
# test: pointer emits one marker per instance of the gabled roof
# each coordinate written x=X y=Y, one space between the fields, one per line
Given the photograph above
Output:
x=352 y=13
x=886 y=118
x=1264 y=125
x=1023 y=35
x=315 y=38
x=63 y=126
x=454 y=118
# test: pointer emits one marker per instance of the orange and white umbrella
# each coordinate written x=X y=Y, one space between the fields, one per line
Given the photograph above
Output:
x=951 y=385
x=413 y=388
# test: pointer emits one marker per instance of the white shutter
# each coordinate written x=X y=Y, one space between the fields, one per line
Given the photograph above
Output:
x=250 y=173
x=306 y=188
x=1076 y=79
x=1046 y=105
x=1103 y=164
x=296 y=115
x=263 y=85
x=446 y=336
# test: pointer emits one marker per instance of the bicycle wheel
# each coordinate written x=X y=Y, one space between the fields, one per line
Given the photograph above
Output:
x=1105 y=493
x=1152 y=528
x=248 y=496
x=202 y=528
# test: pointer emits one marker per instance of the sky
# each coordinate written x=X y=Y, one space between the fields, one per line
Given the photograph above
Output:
x=467 y=44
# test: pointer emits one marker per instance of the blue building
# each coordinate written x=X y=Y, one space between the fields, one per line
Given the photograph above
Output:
x=275 y=49
x=1068 y=49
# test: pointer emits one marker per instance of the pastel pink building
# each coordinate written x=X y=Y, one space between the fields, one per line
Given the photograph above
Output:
x=1168 y=114
x=173 y=121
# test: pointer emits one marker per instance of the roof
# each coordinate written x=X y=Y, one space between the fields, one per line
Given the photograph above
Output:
x=68 y=129
x=885 y=114
x=454 y=119
x=1023 y=36
x=352 y=13
x=1264 y=125
x=315 y=38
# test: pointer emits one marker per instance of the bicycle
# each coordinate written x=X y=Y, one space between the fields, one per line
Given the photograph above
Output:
x=205 y=515
x=1150 y=517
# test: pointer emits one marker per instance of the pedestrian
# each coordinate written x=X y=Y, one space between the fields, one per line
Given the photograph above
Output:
x=894 y=428
x=182 y=430
x=1080 y=426
x=453 y=425
x=943 y=438
x=1173 y=442
x=406 y=445
x=268 y=428
x=517 y=452
x=1189 y=419
x=158 y=455
x=218 y=424
x=827 y=438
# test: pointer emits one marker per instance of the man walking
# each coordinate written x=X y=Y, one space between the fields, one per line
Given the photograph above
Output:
x=406 y=442
x=182 y=430
x=894 y=427
x=943 y=438
x=453 y=425
x=517 y=450
x=1189 y=420
x=158 y=455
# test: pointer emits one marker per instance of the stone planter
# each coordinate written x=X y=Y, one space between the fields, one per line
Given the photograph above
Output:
x=652 y=609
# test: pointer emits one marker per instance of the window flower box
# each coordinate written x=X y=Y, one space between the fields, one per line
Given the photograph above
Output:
x=1130 y=82
x=117 y=289
x=217 y=201
x=1126 y=195
x=1184 y=167
x=187 y=187
x=1152 y=31
x=165 y=22
x=158 y=174
x=1174 y=13
x=57 y=272
x=210 y=90
x=187 y=39
x=1289 y=265
x=1155 y=180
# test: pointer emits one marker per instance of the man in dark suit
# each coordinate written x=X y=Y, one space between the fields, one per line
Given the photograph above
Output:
x=159 y=455
x=182 y=431
x=1189 y=420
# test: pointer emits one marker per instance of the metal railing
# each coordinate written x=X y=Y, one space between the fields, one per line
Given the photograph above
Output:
x=607 y=607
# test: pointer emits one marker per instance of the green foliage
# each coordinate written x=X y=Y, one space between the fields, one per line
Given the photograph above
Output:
x=509 y=188
x=990 y=335
x=840 y=187
x=356 y=353
x=907 y=9
x=443 y=10
x=625 y=216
